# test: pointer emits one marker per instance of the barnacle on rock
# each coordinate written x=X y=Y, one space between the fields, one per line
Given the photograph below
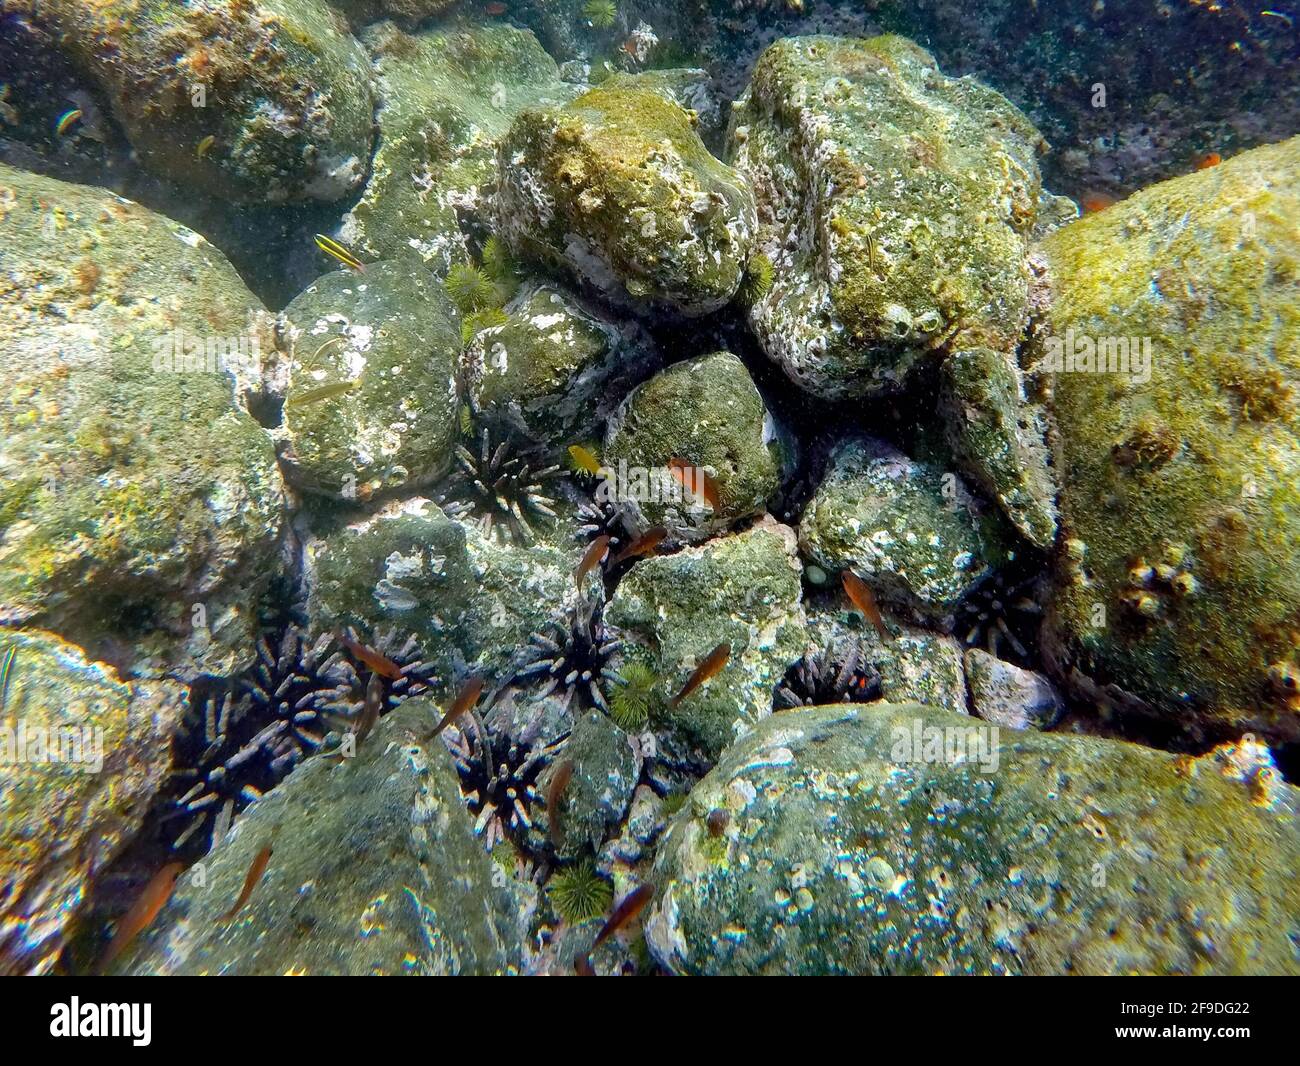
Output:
x=838 y=673
x=579 y=893
x=633 y=696
x=574 y=658
x=501 y=486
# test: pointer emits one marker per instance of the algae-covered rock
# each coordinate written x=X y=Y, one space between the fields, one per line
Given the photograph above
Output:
x=906 y=527
x=1173 y=354
x=371 y=403
x=617 y=188
x=555 y=368
x=445 y=97
x=81 y=756
x=896 y=203
x=1009 y=695
x=675 y=610
x=999 y=439
x=706 y=413
x=470 y=601
x=854 y=846
x=375 y=870
x=139 y=503
x=255 y=101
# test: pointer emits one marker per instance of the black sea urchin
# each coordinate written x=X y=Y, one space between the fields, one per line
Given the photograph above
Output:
x=402 y=649
x=574 y=658
x=838 y=673
x=1003 y=614
x=501 y=486
x=500 y=785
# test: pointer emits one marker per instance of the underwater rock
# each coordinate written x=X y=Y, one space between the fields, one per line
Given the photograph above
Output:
x=253 y=101
x=705 y=412
x=360 y=12
x=690 y=88
x=675 y=609
x=1009 y=695
x=139 y=503
x=555 y=368
x=895 y=206
x=848 y=852
x=470 y=601
x=617 y=188
x=606 y=766
x=999 y=439
x=445 y=97
x=82 y=752
x=375 y=870
x=1172 y=353
x=906 y=527
x=371 y=398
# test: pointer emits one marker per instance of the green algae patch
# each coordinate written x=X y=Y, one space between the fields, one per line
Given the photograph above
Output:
x=848 y=850
x=1171 y=350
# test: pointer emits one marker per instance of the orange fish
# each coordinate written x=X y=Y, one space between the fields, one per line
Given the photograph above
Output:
x=591 y=558
x=1210 y=159
x=695 y=480
x=633 y=904
x=377 y=662
x=254 y=875
x=582 y=966
x=143 y=911
x=554 y=793
x=370 y=709
x=861 y=597
x=1096 y=201
x=645 y=544
x=713 y=662
x=468 y=696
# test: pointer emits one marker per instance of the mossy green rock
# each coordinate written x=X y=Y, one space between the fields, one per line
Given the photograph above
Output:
x=674 y=610
x=375 y=871
x=1074 y=856
x=133 y=488
x=906 y=527
x=390 y=337
x=708 y=413
x=617 y=188
x=554 y=370
x=896 y=205
x=81 y=756
x=1180 y=478
x=280 y=87
x=445 y=98
x=471 y=602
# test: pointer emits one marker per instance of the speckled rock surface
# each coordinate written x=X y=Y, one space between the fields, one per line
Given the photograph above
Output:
x=280 y=87
x=391 y=335
x=895 y=204
x=1009 y=695
x=375 y=870
x=445 y=97
x=708 y=413
x=81 y=756
x=906 y=527
x=1071 y=856
x=1176 y=333
x=472 y=602
x=133 y=487
x=617 y=188
x=556 y=367
x=675 y=609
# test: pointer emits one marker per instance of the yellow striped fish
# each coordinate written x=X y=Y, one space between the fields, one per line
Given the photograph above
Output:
x=332 y=247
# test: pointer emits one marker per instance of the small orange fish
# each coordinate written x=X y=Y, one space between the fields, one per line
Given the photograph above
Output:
x=468 y=696
x=253 y=876
x=591 y=559
x=554 y=793
x=374 y=703
x=582 y=966
x=713 y=662
x=378 y=663
x=645 y=544
x=1210 y=159
x=1096 y=201
x=633 y=904
x=496 y=8
x=862 y=598
x=696 y=481
x=143 y=911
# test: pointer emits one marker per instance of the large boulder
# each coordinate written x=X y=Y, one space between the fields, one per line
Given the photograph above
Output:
x=139 y=503
x=1172 y=356
x=886 y=840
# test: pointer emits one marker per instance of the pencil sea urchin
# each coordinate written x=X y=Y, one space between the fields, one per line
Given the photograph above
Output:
x=575 y=657
x=502 y=487
x=499 y=784
x=838 y=673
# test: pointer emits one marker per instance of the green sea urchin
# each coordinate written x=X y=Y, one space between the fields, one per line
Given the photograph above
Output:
x=579 y=893
x=600 y=13
x=633 y=697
